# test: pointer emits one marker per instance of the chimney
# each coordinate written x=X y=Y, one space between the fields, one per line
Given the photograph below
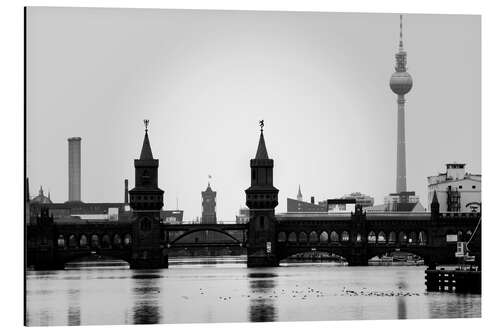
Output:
x=74 y=169
x=126 y=191
x=312 y=200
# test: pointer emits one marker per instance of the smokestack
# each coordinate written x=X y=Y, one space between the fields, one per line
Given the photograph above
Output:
x=312 y=200
x=126 y=191
x=74 y=168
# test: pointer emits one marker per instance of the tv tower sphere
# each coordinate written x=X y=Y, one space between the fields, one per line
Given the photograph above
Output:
x=401 y=83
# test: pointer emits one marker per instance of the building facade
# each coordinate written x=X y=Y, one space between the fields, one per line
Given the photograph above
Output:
x=456 y=190
x=361 y=199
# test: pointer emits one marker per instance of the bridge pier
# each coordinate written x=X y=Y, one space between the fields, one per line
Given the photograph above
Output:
x=261 y=260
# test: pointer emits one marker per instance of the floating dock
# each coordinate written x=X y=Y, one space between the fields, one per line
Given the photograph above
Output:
x=457 y=280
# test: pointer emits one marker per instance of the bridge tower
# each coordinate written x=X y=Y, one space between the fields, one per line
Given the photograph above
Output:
x=261 y=199
x=146 y=201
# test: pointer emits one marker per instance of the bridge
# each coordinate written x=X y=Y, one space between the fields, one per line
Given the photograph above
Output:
x=142 y=240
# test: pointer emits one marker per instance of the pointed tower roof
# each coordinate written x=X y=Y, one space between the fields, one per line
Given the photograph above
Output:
x=299 y=195
x=146 y=153
x=261 y=149
x=434 y=198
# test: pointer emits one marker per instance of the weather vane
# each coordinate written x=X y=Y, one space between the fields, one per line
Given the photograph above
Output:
x=146 y=123
x=261 y=123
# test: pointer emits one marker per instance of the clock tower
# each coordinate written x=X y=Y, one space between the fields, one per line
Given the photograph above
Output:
x=208 y=204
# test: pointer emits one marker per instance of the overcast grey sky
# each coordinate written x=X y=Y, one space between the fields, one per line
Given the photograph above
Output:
x=205 y=78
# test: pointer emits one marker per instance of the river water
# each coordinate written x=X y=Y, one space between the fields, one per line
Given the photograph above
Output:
x=227 y=291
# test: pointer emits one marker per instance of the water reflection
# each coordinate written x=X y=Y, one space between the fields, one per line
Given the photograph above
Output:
x=145 y=291
x=262 y=305
x=402 y=285
x=225 y=293
x=74 y=310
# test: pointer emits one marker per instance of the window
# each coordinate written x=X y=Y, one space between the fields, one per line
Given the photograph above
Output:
x=473 y=186
x=371 y=237
x=145 y=225
x=345 y=236
x=460 y=186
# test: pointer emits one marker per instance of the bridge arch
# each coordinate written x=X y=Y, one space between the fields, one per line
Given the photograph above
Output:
x=236 y=240
x=392 y=237
x=83 y=241
x=422 y=238
x=105 y=241
x=313 y=237
x=94 y=241
x=381 y=239
x=302 y=237
x=334 y=237
x=372 y=238
x=292 y=237
x=412 y=238
x=282 y=237
x=61 y=241
x=117 y=240
x=323 y=237
x=72 y=242
x=402 y=238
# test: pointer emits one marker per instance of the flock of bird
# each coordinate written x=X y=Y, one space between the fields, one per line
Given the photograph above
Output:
x=309 y=293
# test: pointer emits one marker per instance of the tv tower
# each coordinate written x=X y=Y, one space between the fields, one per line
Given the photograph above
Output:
x=401 y=83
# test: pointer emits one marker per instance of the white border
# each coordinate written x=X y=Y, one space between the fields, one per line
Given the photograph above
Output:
x=11 y=194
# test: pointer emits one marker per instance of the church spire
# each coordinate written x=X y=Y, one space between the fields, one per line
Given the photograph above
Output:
x=146 y=153
x=261 y=149
x=299 y=195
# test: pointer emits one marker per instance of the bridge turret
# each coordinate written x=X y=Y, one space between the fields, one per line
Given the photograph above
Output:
x=146 y=201
x=261 y=198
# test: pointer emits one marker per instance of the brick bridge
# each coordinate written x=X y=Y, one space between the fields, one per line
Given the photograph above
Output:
x=144 y=242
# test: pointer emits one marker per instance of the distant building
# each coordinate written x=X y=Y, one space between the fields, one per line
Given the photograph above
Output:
x=406 y=201
x=296 y=206
x=361 y=199
x=456 y=190
x=341 y=205
x=208 y=214
x=243 y=215
x=171 y=216
x=41 y=198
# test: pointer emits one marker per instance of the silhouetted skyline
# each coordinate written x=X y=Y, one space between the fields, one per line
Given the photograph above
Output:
x=205 y=79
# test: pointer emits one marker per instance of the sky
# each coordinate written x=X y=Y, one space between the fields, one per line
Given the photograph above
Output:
x=205 y=78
